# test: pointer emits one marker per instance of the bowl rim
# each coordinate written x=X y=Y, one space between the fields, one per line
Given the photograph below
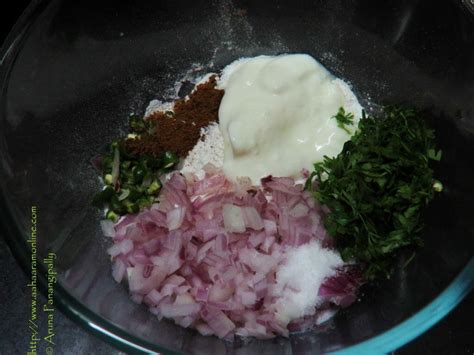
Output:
x=421 y=321
x=385 y=342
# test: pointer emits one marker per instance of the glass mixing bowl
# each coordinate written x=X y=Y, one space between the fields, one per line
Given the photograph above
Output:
x=71 y=72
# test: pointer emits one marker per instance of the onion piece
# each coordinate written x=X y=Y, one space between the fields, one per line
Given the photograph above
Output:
x=122 y=247
x=204 y=329
x=138 y=283
x=175 y=218
x=173 y=310
x=300 y=210
x=233 y=218
x=219 y=293
x=217 y=321
x=252 y=218
x=107 y=227
x=119 y=268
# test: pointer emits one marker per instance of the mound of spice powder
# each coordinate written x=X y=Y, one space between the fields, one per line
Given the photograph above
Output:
x=180 y=130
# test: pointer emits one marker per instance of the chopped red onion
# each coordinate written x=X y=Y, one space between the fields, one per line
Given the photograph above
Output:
x=207 y=254
x=107 y=227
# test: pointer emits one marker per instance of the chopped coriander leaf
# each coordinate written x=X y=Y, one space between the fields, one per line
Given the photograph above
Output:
x=344 y=119
x=377 y=187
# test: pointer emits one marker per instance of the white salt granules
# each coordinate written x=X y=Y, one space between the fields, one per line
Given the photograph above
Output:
x=298 y=280
x=208 y=150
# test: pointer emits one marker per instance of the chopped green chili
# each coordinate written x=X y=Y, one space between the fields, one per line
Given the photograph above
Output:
x=131 y=182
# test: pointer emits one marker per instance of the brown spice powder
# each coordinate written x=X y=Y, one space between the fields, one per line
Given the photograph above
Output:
x=179 y=133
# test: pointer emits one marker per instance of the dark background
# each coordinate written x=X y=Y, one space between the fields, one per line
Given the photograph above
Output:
x=453 y=335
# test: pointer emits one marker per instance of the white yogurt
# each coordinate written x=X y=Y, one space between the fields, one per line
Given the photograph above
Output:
x=276 y=115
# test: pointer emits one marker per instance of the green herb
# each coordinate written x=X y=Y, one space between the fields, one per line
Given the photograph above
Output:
x=112 y=215
x=169 y=159
x=377 y=186
x=154 y=187
x=437 y=186
x=344 y=119
x=101 y=198
x=137 y=124
x=131 y=183
x=139 y=173
x=108 y=179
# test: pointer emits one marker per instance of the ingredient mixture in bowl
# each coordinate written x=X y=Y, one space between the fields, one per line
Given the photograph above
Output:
x=262 y=201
